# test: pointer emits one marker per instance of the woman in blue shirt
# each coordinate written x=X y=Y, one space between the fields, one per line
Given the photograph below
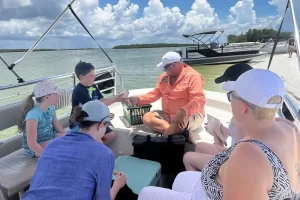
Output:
x=38 y=122
x=78 y=165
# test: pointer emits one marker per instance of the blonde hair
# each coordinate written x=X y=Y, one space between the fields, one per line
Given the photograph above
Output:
x=261 y=113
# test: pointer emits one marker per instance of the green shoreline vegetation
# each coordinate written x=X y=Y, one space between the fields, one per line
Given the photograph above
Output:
x=253 y=35
x=130 y=46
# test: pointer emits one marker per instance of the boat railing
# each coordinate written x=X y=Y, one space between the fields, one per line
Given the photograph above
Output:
x=243 y=44
x=294 y=110
x=191 y=48
x=229 y=46
x=63 y=80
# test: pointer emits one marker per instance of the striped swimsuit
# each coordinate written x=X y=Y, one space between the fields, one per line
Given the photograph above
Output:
x=281 y=188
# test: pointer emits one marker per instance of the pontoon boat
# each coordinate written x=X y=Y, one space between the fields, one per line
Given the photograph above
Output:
x=17 y=168
x=206 y=49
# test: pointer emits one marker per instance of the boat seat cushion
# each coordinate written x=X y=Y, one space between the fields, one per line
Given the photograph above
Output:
x=16 y=171
x=139 y=172
x=9 y=113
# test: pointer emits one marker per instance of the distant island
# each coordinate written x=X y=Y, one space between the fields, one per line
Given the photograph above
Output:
x=130 y=46
x=154 y=45
x=25 y=50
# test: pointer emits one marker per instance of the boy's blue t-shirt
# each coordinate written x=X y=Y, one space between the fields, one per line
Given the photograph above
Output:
x=74 y=166
x=45 y=130
x=82 y=94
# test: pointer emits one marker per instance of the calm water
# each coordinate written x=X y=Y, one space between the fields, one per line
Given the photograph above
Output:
x=137 y=67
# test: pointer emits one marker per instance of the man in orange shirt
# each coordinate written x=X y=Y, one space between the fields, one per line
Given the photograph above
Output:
x=183 y=100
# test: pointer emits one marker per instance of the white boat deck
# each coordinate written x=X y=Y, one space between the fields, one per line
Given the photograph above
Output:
x=217 y=105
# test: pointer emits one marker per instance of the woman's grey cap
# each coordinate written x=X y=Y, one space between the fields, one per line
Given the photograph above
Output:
x=97 y=112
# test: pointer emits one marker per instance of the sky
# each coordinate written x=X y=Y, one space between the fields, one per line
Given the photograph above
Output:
x=115 y=22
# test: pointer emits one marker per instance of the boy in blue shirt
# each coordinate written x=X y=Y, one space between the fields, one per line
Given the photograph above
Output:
x=86 y=91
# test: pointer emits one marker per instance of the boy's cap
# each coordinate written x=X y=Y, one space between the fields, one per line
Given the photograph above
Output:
x=45 y=88
x=233 y=72
x=258 y=86
x=97 y=112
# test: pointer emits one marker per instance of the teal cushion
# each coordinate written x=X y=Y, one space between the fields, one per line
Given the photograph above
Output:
x=139 y=172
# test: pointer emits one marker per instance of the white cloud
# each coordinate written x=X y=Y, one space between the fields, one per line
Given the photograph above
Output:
x=243 y=17
x=15 y=3
x=201 y=16
x=26 y=20
x=280 y=4
x=158 y=21
x=243 y=13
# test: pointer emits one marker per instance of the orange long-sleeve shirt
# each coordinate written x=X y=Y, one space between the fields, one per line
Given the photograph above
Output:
x=186 y=93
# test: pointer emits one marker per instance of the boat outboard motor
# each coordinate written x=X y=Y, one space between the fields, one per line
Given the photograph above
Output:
x=179 y=52
x=105 y=84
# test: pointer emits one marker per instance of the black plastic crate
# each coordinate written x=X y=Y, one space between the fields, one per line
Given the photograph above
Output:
x=134 y=114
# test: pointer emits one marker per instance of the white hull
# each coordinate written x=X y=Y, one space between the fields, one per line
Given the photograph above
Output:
x=279 y=49
x=221 y=59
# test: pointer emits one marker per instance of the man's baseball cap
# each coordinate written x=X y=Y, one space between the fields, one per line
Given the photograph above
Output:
x=168 y=58
x=44 y=88
x=233 y=72
x=97 y=112
x=258 y=86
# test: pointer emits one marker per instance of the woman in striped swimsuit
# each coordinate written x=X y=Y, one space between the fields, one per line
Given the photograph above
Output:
x=263 y=165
